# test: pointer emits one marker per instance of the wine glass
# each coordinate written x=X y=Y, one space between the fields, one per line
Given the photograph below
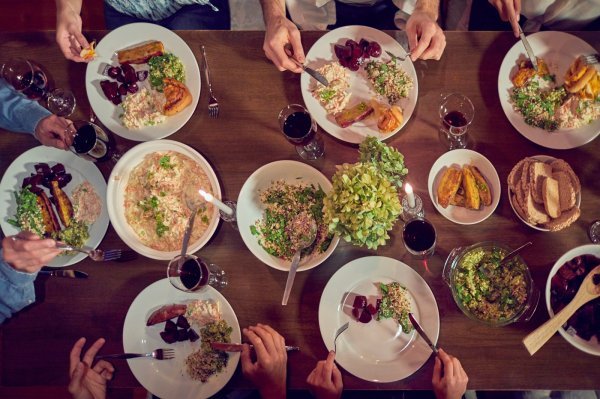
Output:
x=301 y=130
x=28 y=78
x=189 y=273
x=456 y=114
x=91 y=142
x=419 y=237
x=594 y=231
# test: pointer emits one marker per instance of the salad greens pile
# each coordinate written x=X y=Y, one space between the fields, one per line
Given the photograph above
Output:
x=165 y=66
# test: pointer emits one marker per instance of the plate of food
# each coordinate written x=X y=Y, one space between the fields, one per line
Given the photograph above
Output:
x=371 y=92
x=464 y=186
x=544 y=192
x=582 y=329
x=374 y=294
x=54 y=193
x=162 y=316
x=555 y=107
x=146 y=197
x=144 y=82
x=269 y=201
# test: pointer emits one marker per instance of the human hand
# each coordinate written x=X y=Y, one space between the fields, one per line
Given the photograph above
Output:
x=325 y=381
x=279 y=32
x=68 y=34
x=28 y=252
x=509 y=10
x=52 y=131
x=453 y=383
x=268 y=373
x=425 y=37
x=88 y=382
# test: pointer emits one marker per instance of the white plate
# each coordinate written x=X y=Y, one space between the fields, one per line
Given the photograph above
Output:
x=322 y=53
x=168 y=378
x=250 y=208
x=541 y=158
x=458 y=158
x=377 y=351
x=115 y=195
x=80 y=169
x=592 y=346
x=127 y=36
x=559 y=50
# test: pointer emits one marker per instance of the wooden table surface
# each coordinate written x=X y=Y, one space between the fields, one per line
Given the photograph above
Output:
x=36 y=342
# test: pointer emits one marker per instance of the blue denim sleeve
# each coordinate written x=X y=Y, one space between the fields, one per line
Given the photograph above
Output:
x=18 y=113
x=16 y=289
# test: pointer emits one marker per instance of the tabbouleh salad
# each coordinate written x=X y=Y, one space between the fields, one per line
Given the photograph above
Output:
x=165 y=66
x=395 y=303
x=283 y=203
x=206 y=361
x=389 y=80
x=491 y=292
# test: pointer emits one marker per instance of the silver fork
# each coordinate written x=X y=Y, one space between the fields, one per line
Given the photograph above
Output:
x=591 y=59
x=213 y=104
x=340 y=330
x=159 y=354
x=97 y=255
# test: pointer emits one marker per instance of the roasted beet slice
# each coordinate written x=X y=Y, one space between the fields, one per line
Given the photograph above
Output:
x=141 y=75
x=356 y=312
x=42 y=169
x=170 y=326
x=351 y=43
x=182 y=322
x=169 y=336
x=129 y=73
x=374 y=49
x=116 y=100
x=63 y=180
x=193 y=335
x=371 y=309
x=360 y=301
x=365 y=316
x=123 y=89
x=354 y=64
x=113 y=72
x=182 y=335
x=110 y=89
x=342 y=52
x=58 y=169
x=33 y=180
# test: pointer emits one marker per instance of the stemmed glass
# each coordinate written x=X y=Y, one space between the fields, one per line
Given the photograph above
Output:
x=301 y=130
x=419 y=237
x=456 y=114
x=189 y=273
x=28 y=78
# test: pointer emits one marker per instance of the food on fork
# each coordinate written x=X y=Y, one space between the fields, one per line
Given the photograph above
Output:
x=579 y=75
x=88 y=53
x=142 y=53
x=353 y=114
x=177 y=96
x=165 y=313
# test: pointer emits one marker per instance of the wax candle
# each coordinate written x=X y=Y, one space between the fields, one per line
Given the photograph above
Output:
x=409 y=195
x=210 y=198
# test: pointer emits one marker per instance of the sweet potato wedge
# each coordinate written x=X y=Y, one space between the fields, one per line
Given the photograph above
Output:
x=63 y=204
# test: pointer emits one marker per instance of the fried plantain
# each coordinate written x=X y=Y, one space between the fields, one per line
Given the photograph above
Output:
x=469 y=184
x=63 y=204
x=485 y=192
x=449 y=184
x=49 y=218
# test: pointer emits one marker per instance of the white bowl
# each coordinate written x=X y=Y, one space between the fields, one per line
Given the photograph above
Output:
x=592 y=346
x=460 y=157
x=250 y=208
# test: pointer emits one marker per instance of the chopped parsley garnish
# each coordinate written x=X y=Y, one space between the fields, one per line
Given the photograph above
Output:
x=165 y=162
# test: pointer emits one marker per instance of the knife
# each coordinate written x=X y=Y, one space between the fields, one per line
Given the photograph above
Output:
x=64 y=273
x=528 y=49
x=419 y=329
x=225 y=347
x=318 y=77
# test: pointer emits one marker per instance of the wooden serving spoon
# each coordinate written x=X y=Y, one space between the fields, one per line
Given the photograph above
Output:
x=587 y=291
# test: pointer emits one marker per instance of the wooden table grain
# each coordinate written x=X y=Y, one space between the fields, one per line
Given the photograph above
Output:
x=36 y=342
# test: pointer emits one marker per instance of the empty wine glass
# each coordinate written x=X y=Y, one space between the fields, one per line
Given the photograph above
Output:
x=28 y=78
x=189 y=273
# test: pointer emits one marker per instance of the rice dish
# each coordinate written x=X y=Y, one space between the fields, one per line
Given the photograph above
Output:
x=334 y=96
x=87 y=205
x=155 y=206
x=144 y=108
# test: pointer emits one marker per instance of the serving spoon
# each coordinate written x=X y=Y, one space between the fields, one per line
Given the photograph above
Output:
x=295 y=231
x=194 y=203
x=587 y=291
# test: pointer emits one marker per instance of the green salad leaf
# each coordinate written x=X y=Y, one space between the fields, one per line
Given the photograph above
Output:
x=387 y=159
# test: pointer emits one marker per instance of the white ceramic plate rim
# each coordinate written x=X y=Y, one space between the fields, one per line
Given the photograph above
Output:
x=559 y=50
x=127 y=36
x=459 y=158
x=80 y=170
x=250 y=208
x=542 y=158
x=141 y=339
x=115 y=194
x=581 y=344
x=331 y=317
x=322 y=52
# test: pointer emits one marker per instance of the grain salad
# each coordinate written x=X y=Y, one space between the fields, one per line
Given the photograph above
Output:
x=206 y=361
x=389 y=80
x=395 y=304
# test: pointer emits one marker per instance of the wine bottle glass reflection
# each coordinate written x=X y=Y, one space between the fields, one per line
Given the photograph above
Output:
x=91 y=142
x=28 y=78
x=301 y=130
x=190 y=273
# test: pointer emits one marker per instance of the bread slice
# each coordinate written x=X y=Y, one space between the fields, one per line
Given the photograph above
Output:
x=551 y=197
x=537 y=172
x=565 y=220
x=514 y=177
x=472 y=200
x=520 y=195
x=535 y=213
x=178 y=96
x=562 y=166
x=518 y=208
x=526 y=176
x=566 y=191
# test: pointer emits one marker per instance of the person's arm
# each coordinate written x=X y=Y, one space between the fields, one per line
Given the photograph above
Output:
x=280 y=31
x=68 y=29
x=509 y=10
x=16 y=289
x=425 y=37
x=449 y=379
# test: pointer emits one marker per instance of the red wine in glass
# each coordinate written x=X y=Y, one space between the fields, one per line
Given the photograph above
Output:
x=36 y=84
x=298 y=128
x=193 y=274
x=455 y=119
x=90 y=141
x=419 y=237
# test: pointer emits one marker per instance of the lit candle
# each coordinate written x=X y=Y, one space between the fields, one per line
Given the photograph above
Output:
x=210 y=198
x=409 y=195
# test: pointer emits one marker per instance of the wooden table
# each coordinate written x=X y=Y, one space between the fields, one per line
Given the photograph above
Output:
x=35 y=343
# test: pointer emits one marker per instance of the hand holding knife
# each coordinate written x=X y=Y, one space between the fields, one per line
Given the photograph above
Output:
x=318 y=77
x=421 y=332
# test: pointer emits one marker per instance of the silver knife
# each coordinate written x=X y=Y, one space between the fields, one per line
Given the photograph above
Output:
x=419 y=329
x=64 y=273
x=318 y=77
x=528 y=49
x=226 y=347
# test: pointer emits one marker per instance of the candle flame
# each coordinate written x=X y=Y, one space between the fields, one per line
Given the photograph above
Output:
x=408 y=188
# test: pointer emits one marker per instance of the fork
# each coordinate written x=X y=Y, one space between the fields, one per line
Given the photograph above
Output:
x=591 y=59
x=97 y=255
x=340 y=330
x=408 y=53
x=159 y=354
x=213 y=104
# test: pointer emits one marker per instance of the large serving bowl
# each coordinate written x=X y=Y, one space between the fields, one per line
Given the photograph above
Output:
x=455 y=272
